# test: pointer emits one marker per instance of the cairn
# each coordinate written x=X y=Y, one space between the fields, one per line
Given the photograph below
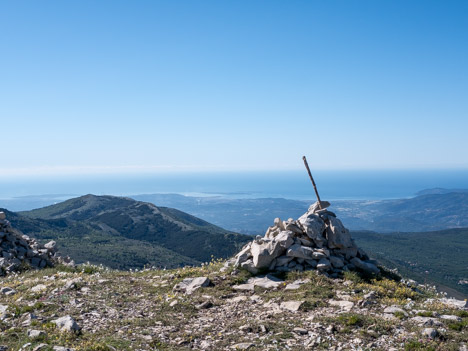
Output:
x=18 y=251
x=315 y=241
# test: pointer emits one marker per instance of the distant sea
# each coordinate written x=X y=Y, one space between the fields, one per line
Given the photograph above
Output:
x=332 y=185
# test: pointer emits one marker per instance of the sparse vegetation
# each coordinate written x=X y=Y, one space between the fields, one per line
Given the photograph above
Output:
x=139 y=310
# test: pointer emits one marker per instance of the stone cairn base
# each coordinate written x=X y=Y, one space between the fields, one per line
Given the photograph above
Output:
x=317 y=240
x=19 y=251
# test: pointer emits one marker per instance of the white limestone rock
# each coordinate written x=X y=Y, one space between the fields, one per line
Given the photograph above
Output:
x=249 y=266
x=39 y=288
x=338 y=235
x=292 y=226
x=51 y=245
x=243 y=255
x=430 y=333
x=189 y=285
x=300 y=251
x=267 y=282
x=454 y=303
x=324 y=265
x=244 y=287
x=291 y=306
x=449 y=317
x=265 y=251
x=279 y=223
x=296 y=284
x=342 y=304
x=315 y=207
x=314 y=227
x=3 y=311
x=426 y=321
x=36 y=334
x=319 y=254
x=67 y=324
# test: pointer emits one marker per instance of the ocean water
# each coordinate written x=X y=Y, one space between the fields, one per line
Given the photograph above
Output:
x=332 y=185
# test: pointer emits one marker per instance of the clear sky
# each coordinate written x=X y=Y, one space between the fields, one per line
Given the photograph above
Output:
x=118 y=86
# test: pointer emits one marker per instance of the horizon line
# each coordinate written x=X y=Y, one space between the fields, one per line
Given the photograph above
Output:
x=70 y=171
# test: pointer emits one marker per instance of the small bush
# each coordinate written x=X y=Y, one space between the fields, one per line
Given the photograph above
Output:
x=88 y=269
x=353 y=276
x=415 y=345
x=351 y=320
x=458 y=326
x=425 y=314
x=49 y=326
x=462 y=314
x=399 y=315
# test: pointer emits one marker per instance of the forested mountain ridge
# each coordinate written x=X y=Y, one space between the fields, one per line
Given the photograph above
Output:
x=124 y=233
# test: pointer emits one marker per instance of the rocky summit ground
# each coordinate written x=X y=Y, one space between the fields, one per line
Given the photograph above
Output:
x=217 y=308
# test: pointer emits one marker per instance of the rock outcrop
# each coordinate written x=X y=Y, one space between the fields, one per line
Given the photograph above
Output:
x=19 y=251
x=316 y=240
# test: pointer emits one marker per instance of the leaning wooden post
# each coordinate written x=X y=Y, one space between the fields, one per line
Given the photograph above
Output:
x=313 y=182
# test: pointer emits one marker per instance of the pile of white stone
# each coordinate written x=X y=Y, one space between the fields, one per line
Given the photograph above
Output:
x=19 y=251
x=317 y=240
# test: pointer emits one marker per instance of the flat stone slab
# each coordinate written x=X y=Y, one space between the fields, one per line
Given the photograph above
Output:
x=292 y=306
x=449 y=317
x=39 y=288
x=267 y=282
x=237 y=299
x=296 y=284
x=426 y=321
x=344 y=305
x=244 y=287
x=460 y=304
x=189 y=285
x=242 y=346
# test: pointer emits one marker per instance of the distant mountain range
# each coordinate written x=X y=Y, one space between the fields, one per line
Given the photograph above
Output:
x=437 y=209
x=125 y=233
x=248 y=216
x=431 y=209
x=419 y=214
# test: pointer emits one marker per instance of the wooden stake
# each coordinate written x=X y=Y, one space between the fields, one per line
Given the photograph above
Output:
x=313 y=182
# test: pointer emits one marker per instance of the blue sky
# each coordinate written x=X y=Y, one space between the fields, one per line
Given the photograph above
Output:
x=150 y=86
